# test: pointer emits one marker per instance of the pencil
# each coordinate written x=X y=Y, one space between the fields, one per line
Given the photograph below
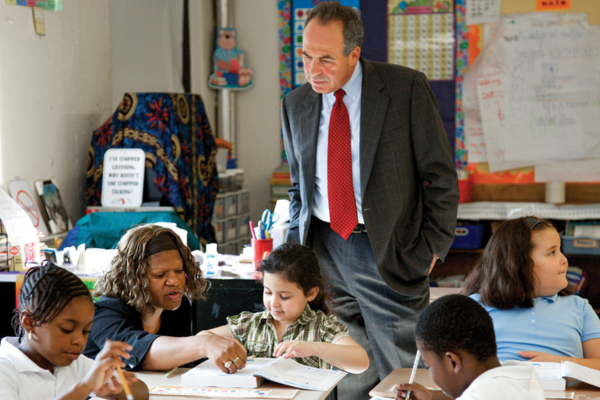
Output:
x=414 y=372
x=171 y=373
x=125 y=385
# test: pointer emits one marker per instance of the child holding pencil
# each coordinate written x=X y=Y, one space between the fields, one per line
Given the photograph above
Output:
x=521 y=281
x=455 y=337
x=295 y=323
x=53 y=322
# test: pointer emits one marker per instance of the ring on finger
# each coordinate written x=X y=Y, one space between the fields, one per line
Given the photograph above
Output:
x=228 y=364
x=236 y=360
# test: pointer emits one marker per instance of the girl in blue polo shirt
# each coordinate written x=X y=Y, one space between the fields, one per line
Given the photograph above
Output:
x=520 y=281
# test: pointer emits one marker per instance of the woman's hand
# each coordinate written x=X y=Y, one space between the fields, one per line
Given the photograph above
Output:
x=295 y=348
x=221 y=350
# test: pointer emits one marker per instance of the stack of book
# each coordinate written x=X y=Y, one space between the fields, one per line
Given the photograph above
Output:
x=280 y=183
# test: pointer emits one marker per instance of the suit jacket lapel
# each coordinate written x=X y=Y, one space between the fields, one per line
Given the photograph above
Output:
x=373 y=112
x=309 y=128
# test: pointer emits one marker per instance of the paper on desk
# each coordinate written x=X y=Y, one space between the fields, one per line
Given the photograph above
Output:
x=289 y=372
x=223 y=393
x=18 y=226
x=558 y=394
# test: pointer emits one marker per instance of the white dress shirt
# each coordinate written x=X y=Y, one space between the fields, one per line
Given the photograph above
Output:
x=22 y=379
x=353 y=89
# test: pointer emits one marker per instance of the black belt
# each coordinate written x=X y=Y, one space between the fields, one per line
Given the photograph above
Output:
x=360 y=228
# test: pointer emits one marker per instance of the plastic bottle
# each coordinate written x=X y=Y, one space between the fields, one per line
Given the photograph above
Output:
x=211 y=260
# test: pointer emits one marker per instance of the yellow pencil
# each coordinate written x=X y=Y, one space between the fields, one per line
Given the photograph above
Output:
x=125 y=385
x=171 y=373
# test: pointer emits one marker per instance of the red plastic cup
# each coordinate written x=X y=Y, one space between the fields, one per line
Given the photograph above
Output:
x=261 y=249
x=465 y=188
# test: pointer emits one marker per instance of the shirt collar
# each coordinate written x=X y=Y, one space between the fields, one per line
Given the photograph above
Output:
x=9 y=349
x=550 y=299
x=352 y=87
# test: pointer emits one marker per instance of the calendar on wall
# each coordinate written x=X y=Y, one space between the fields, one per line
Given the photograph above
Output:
x=424 y=42
x=300 y=10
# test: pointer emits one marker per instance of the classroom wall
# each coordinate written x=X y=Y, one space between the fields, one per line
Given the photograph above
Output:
x=145 y=45
x=54 y=90
x=257 y=109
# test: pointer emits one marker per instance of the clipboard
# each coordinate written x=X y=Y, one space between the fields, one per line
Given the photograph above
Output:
x=385 y=388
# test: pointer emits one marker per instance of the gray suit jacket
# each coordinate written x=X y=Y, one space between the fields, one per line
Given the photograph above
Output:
x=408 y=180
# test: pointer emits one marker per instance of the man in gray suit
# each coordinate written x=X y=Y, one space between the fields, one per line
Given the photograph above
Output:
x=375 y=192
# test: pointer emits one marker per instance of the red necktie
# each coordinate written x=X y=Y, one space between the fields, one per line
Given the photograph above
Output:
x=342 y=205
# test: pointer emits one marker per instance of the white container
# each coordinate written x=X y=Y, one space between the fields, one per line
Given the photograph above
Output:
x=211 y=260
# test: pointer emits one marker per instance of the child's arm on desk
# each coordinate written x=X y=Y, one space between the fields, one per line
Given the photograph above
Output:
x=345 y=353
x=591 y=354
x=418 y=392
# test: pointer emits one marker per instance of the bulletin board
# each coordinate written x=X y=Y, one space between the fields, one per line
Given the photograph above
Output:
x=480 y=171
x=448 y=92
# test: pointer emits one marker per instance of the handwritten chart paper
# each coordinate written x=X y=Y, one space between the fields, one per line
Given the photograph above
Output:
x=539 y=90
x=482 y=11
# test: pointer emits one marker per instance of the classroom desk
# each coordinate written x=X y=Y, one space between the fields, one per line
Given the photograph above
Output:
x=158 y=379
x=582 y=391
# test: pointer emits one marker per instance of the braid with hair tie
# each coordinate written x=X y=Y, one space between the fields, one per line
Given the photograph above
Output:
x=45 y=292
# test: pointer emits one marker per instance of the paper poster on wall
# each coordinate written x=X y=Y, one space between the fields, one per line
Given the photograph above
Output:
x=424 y=42
x=483 y=11
x=420 y=6
x=123 y=178
x=50 y=5
x=552 y=5
x=552 y=88
x=474 y=139
x=537 y=89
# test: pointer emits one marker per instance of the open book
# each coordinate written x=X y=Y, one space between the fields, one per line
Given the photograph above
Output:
x=285 y=371
x=553 y=375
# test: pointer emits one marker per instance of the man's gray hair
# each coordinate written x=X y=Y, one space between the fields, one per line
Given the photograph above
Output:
x=352 y=28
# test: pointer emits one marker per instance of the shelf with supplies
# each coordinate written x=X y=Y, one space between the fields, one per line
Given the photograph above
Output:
x=583 y=253
x=230 y=221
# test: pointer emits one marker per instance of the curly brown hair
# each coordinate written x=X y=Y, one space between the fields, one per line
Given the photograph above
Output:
x=127 y=278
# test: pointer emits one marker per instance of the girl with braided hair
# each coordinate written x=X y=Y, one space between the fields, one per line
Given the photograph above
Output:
x=52 y=323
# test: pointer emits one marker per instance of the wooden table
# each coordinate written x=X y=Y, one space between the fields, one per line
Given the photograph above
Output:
x=582 y=391
x=158 y=379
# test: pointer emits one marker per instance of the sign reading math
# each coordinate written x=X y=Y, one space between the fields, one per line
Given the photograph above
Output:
x=552 y=5
x=123 y=178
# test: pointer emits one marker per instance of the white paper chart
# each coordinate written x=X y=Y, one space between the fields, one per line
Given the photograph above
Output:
x=424 y=42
